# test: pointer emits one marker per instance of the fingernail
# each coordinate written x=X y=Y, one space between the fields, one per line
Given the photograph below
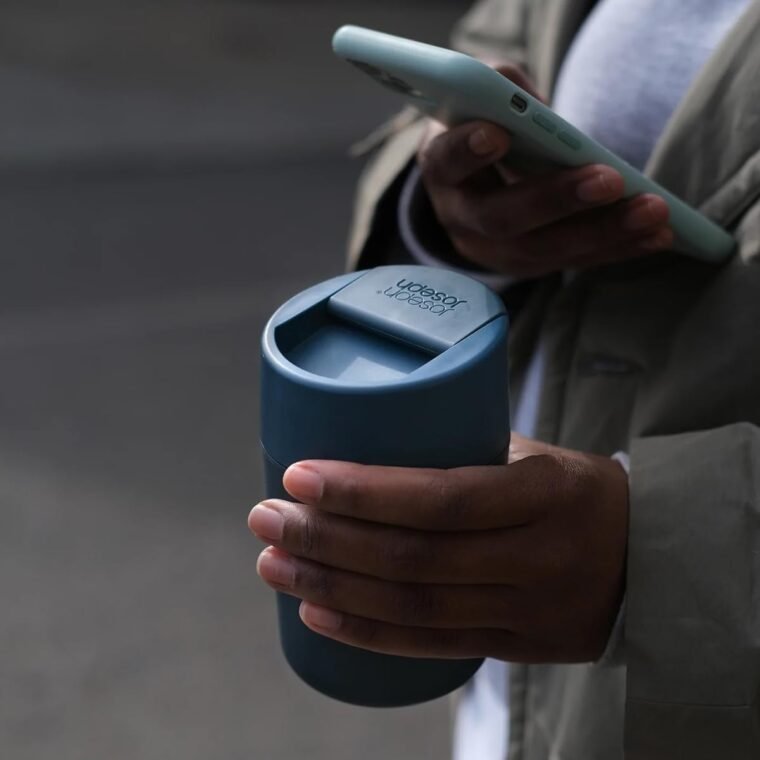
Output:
x=266 y=522
x=480 y=143
x=320 y=617
x=303 y=483
x=641 y=217
x=276 y=569
x=596 y=189
x=661 y=241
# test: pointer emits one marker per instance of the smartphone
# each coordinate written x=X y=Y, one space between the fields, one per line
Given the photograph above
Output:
x=454 y=88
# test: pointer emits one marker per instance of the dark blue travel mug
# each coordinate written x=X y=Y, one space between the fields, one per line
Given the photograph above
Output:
x=399 y=365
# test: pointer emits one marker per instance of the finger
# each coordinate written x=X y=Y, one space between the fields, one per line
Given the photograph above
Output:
x=442 y=643
x=410 y=604
x=598 y=233
x=659 y=241
x=459 y=153
x=523 y=260
x=433 y=130
x=496 y=256
x=637 y=228
x=463 y=498
x=398 y=554
x=534 y=203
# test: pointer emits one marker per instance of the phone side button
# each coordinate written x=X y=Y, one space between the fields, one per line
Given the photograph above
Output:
x=569 y=140
x=544 y=122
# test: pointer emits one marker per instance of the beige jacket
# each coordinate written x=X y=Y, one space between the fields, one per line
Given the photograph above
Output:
x=661 y=358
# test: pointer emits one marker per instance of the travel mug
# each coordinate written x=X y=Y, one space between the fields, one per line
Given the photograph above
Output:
x=398 y=365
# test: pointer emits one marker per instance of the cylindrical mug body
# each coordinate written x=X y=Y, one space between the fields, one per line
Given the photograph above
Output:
x=403 y=366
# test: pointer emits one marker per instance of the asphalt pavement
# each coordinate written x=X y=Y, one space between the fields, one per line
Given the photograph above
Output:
x=169 y=174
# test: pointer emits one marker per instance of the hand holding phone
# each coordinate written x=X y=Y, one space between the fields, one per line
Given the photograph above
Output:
x=549 y=153
x=535 y=225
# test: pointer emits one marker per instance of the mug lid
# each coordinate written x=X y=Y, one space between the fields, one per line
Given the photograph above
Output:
x=428 y=308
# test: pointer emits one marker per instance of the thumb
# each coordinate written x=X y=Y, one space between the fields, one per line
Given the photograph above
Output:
x=432 y=130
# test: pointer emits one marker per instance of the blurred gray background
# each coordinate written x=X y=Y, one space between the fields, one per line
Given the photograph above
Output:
x=169 y=173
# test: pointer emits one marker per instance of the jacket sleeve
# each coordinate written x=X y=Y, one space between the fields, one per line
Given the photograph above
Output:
x=495 y=28
x=490 y=28
x=692 y=632
x=693 y=600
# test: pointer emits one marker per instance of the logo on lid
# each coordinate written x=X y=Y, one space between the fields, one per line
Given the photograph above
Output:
x=423 y=297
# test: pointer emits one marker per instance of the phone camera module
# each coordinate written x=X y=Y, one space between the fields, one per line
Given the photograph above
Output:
x=399 y=85
x=367 y=68
x=392 y=82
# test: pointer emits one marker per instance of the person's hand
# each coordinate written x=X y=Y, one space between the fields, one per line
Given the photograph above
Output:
x=532 y=225
x=522 y=562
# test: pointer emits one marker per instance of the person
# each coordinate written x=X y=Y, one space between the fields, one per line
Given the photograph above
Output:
x=609 y=571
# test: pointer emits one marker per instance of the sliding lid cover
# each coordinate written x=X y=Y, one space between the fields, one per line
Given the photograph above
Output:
x=344 y=358
x=430 y=308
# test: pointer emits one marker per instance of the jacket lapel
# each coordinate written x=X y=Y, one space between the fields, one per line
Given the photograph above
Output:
x=721 y=108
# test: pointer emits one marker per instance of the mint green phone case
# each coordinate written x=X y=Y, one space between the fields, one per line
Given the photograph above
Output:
x=454 y=88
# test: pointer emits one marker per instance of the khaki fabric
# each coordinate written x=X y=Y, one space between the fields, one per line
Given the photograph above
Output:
x=661 y=358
